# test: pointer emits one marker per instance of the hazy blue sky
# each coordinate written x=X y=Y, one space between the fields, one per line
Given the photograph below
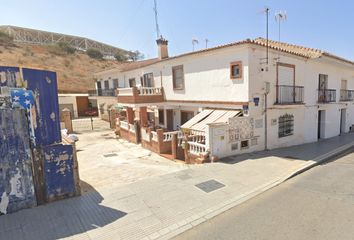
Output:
x=328 y=25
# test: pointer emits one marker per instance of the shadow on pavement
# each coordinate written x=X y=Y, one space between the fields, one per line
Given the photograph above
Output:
x=60 y=219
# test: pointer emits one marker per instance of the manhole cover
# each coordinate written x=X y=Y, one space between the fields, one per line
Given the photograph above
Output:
x=210 y=185
x=110 y=155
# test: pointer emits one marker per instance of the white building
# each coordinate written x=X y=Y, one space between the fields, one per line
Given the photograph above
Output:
x=296 y=95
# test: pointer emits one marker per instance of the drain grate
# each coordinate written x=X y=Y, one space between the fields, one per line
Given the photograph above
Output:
x=110 y=155
x=210 y=185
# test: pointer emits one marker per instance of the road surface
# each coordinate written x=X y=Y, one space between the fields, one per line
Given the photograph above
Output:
x=317 y=204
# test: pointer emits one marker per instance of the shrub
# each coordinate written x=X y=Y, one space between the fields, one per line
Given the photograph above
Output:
x=65 y=47
x=94 y=53
x=120 y=56
x=6 y=40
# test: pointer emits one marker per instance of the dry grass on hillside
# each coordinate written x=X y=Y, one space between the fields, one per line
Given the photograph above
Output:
x=74 y=71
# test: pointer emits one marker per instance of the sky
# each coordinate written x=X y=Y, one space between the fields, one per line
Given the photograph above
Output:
x=130 y=24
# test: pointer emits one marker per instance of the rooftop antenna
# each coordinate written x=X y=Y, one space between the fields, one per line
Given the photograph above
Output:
x=194 y=41
x=156 y=20
x=280 y=17
x=206 y=43
x=266 y=12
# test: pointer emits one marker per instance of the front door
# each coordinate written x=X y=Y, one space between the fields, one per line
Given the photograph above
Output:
x=169 y=115
x=343 y=115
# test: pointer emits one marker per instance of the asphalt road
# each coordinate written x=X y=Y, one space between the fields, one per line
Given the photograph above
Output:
x=317 y=204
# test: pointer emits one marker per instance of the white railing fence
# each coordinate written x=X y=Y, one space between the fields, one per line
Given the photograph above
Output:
x=131 y=128
x=150 y=91
x=197 y=138
x=145 y=135
x=125 y=91
x=197 y=148
x=154 y=136
x=124 y=125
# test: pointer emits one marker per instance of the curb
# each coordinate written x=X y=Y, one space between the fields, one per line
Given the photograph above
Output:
x=171 y=231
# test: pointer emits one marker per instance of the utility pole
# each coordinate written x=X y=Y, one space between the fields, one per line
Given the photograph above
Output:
x=267 y=32
x=206 y=43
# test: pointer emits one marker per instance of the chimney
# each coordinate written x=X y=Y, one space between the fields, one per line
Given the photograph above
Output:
x=162 y=48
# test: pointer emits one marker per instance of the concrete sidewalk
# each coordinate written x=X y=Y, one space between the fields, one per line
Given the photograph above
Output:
x=162 y=207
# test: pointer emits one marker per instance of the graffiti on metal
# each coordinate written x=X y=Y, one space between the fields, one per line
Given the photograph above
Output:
x=16 y=185
x=59 y=171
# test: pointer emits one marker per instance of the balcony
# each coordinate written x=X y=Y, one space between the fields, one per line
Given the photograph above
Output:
x=346 y=95
x=140 y=95
x=326 y=95
x=290 y=94
x=103 y=93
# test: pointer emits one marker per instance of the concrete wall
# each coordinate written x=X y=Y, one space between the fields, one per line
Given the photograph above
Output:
x=65 y=99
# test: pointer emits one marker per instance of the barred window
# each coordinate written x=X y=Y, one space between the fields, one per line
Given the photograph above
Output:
x=286 y=125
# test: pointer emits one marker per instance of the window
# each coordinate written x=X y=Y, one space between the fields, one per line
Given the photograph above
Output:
x=236 y=70
x=106 y=84
x=178 y=77
x=132 y=82
x=286 y=125
x=185 y=116
x=161 y=116
x=115 y=83
x=148 y=80
x=244 y=144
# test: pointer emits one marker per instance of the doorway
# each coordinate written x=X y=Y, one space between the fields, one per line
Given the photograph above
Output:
x=321 y=124
x=343 y=120
x=169 y=116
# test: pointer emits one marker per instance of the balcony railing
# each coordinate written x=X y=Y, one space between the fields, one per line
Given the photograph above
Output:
x=326 y=95
x=346 y=95
x=140 y=95
x=290 y=94
x=103 y=92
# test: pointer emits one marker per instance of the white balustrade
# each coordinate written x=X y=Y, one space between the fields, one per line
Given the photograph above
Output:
x=125 y=91
x=149 y=91
x=154 y=136
x=197 y=138
x=131 y=128
x=196 y=132
x=124 y=125
x=167 y=136
x=197 y=148
x=145 y=135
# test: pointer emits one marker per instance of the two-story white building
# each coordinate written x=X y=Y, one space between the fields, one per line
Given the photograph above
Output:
x=244 y=96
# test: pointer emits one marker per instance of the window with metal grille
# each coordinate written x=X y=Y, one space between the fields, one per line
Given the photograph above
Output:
x=286 y=125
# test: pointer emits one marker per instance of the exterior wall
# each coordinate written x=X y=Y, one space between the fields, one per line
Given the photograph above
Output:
x=104 y=104
x=305 y=115
x=206 y=75
x=66 y=100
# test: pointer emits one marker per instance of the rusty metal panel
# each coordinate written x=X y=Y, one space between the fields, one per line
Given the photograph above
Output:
x=44 y=86
x=16 y=182
x=59 y=171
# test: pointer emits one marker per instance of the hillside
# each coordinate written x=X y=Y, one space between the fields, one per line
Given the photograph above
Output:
x=74 y=70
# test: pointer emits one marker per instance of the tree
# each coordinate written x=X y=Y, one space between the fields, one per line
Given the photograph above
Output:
x=121 y=56
x=65 y=47
x=135 y=56
x=94 y=53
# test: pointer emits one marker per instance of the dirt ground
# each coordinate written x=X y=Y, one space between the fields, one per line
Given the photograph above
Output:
x=106 y=162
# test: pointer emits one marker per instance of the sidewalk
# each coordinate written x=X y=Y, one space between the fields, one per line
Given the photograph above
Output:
x=162 y=207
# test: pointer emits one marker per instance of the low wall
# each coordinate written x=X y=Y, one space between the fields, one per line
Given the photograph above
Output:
x=127 y=135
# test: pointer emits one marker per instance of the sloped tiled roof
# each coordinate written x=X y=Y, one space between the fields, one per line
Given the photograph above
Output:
x=310 y=53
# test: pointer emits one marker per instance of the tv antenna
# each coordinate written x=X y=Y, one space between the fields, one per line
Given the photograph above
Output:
x=194 y=42
x=280 y=17
x=206 y=43
x=266 y=11
x=156 y=20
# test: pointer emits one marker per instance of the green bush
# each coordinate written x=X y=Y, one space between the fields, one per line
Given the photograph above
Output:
x=6 y=40
x=121 y=56
x=94 y=53
x=65 y=47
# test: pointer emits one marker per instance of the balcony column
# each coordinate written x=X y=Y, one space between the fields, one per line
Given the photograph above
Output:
x=143 y=116
x=130 y=115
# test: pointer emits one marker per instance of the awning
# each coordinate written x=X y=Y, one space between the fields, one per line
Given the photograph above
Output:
x=200 y=121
